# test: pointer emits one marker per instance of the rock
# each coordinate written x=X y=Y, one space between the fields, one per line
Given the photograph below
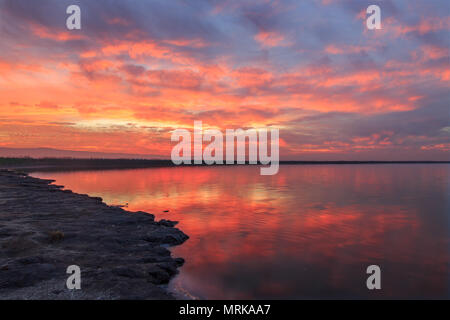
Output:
x=106 y=243
x=155 y=259
x=25 y=277
x=179 y=261
x=159 y=275
x=162 y=236
x=17 y=280
x=167 y=223
x=30 y=260
x=43 y=268
x=170 y=267
x=128 y=272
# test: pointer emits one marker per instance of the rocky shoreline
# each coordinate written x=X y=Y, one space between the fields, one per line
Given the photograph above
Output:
x=44 y=229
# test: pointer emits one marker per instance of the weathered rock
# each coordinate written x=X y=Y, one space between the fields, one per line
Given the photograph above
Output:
x=179 y=261
x=30 y=260
x=160 y=275
x=166 y=235
x=44 y=229
x=129 y=272
x=167 y=223
x=170 y=267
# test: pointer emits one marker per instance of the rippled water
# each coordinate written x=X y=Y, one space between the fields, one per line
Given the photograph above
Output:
x=308 y=232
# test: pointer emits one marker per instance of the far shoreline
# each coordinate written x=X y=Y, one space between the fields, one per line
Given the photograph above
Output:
x=26 y=164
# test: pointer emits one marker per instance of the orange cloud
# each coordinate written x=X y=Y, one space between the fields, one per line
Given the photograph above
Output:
x=270 y=39
x=45 y=33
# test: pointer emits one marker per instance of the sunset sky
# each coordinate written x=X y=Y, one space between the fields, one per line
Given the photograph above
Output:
x=139 y=69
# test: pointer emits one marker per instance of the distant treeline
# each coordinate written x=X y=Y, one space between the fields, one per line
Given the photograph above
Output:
x=30 y=164
x=53 y=164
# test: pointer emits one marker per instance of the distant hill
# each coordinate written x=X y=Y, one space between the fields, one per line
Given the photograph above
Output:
x=57 y=153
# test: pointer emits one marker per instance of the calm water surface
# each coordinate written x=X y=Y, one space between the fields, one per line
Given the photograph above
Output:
x=307 y=232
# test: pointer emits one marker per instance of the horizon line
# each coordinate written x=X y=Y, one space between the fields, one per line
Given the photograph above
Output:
x=170 y=161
